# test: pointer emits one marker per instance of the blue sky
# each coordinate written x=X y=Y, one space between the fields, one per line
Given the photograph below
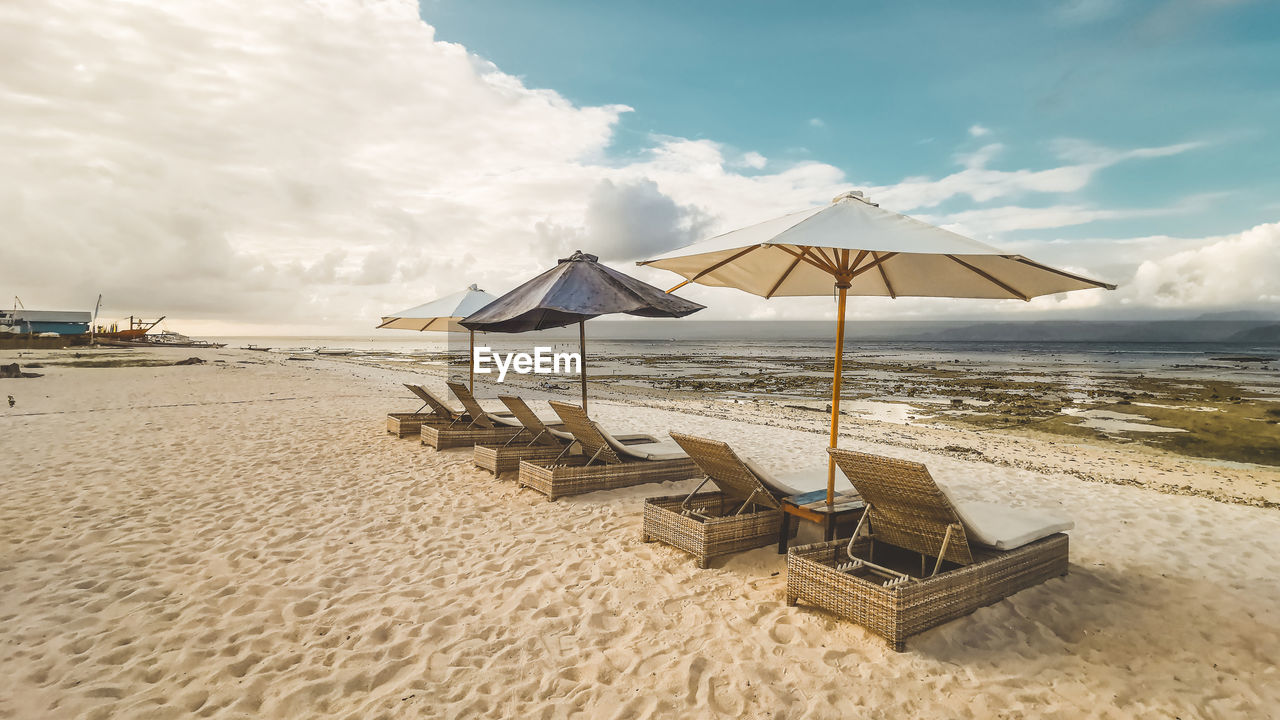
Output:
x=890 y=91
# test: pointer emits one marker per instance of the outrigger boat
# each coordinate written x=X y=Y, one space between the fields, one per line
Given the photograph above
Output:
x=137 y=329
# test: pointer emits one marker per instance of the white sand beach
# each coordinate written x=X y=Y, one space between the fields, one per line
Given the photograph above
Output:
x=243 y=539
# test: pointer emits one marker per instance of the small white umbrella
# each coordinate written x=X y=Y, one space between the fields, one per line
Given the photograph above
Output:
x=853 y=246
x=442 y=315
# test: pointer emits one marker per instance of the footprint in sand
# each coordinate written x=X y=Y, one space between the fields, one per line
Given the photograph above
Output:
x=305 y=608
x=782 y=633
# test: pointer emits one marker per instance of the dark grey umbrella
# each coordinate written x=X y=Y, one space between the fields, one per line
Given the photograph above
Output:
x=574 y=291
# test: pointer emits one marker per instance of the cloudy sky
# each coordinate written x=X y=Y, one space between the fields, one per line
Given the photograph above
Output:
x=254 y=167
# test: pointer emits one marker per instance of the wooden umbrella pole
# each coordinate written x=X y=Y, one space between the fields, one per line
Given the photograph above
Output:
x=471 y=363
x=582 y=348
x=835 y=395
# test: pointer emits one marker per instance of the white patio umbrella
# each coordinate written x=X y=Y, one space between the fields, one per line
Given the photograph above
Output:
x=853 y=246
x=442 y=315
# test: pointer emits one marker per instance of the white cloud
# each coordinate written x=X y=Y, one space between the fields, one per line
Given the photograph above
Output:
x=284 y=163
x=979 y=158
x=983 y=184
x=1231 y=271
x=754 y=160
x=1087 y=153
x=635 y=220
x=987 y=221
x=991 y=221
x=817 y=122
x=976 y=130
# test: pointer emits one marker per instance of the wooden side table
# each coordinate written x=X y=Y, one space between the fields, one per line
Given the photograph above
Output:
x=812 y=506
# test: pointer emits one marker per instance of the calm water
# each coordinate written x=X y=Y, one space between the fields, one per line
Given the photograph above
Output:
x=1166 y=359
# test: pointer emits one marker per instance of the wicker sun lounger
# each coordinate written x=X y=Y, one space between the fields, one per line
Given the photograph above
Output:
x=723 y=525
x=604 y=461
x=542 y=442
x=743 y=513
x=405 y=424
x=921 y=563
x=480 y=425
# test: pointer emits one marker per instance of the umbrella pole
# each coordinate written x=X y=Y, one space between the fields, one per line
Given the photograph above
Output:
x=471 y=363
x=835 y=396
x=582 y=350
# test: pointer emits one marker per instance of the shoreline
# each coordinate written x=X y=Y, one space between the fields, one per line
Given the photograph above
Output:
x=1091 y=458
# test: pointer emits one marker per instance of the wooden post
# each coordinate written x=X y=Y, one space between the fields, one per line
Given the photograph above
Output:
x=582 y=348
x=835 y=393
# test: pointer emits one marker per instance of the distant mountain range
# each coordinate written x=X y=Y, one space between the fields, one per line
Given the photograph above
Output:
x=1215 y=331
x=1218 y=328
x=1263 y=335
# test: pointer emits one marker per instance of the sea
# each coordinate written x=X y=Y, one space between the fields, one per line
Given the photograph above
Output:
x=1234 y=362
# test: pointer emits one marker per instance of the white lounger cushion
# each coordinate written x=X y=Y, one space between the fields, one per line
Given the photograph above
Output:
x=1005 y=528
x=505 y=418
x=800 y=481
x=655 y=450
x=558 y=430
x=508 y=418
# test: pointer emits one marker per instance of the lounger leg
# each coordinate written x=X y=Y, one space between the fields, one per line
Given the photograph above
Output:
x=784 y=533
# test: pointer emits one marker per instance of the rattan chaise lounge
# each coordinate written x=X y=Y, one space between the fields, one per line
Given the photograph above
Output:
x=542 y=441
x=404 y=424
x=742 y=514
x=746 y=511
x=604 y=461
x=479 y=425
x=924 y=559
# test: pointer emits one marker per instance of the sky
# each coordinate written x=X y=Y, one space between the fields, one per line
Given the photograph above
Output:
x=247 y=167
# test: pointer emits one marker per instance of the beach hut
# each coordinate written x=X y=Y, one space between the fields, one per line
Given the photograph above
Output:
x=854 y=247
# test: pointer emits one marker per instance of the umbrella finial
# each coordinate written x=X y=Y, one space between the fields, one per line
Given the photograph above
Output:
x=579 y=256
x=853 y=195
x=474 y=286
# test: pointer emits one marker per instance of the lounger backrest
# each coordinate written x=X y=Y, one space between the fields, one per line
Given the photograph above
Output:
x=432 y=401
x=478 y=415
x=527 y=417
x=585 y=432
x=723 y=467
x=907 y=507
x=523 y=412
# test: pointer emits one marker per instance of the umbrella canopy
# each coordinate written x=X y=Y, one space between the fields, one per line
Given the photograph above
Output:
x=853 y=246
x=577 y=289
x=873 y=251
x=442 y=315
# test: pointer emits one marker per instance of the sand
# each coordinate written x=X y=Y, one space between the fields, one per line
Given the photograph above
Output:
x=243 y=539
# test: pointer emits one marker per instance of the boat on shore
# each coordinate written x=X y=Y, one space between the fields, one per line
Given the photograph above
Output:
x=137 y=330
x=164 y=338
